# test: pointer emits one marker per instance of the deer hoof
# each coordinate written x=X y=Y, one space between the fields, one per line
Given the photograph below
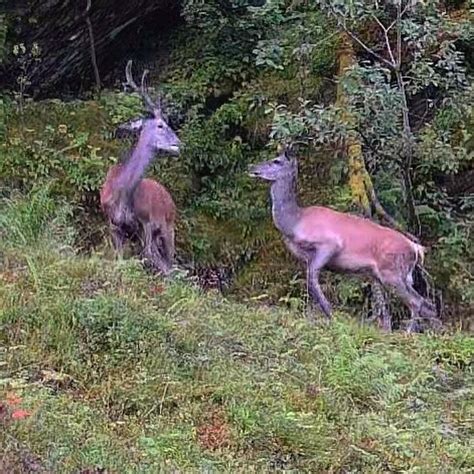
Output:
x=413 y=327
x=386 y=326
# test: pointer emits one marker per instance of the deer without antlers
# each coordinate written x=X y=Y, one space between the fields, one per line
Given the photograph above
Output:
x=324 y=238
x=142 y=206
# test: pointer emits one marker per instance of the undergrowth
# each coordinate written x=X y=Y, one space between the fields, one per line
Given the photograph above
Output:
x=106 y=366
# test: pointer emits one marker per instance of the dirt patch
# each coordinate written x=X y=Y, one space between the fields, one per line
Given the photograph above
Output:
x=214 y=432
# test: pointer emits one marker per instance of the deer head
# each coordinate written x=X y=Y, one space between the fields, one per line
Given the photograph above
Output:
x=153 y=128
x=281 y=167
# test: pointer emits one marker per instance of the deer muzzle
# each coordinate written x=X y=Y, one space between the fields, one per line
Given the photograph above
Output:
x=253 y=171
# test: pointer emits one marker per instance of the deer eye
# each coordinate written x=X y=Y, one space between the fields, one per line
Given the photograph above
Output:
x=277 y=162
x=160 y=125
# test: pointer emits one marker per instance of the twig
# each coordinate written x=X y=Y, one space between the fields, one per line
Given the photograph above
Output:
x=92 y=47
x=369 y=50
x=162 y=401
x=342 y=24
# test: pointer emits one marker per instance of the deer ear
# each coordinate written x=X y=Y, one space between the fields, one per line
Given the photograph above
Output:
x=131 y=127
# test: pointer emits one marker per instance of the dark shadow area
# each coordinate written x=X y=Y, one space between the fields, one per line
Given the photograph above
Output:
x=62 y=30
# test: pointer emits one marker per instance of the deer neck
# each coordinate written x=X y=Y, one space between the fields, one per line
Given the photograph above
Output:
x=285 y=209
x=132 y=171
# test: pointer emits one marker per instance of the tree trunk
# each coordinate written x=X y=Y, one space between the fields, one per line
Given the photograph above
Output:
x=362 y=189
x=359 y=179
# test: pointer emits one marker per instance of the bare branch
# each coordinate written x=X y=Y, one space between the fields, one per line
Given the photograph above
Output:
x=342 y=23
x=398 y=20
x=399 y=33
x=387 y=40
x=394 y=22
x=365 y=47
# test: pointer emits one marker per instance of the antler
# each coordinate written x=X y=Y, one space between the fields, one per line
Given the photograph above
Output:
x=143 y=90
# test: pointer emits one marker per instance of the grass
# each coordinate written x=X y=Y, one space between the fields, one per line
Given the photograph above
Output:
x=105 y=366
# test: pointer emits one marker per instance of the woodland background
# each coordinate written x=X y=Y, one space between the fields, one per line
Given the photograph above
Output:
x=239 y=78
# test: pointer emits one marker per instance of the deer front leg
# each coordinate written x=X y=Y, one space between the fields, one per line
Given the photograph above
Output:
x=317 y=262
x=151 y=251
x=118 y=239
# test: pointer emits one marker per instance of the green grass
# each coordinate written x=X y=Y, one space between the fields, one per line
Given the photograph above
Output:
x=125 y=371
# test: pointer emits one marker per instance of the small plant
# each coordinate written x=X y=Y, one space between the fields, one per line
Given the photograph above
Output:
x=26 y=58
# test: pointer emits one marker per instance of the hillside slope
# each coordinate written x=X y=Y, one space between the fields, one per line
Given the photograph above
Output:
x=107 y=367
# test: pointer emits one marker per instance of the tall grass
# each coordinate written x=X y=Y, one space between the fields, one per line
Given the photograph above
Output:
x=27 y=220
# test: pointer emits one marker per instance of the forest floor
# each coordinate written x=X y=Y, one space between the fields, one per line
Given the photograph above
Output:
x=104 y=368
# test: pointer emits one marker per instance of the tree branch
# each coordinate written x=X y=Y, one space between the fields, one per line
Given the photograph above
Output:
x=342 y=23
x=382 y=213
x=369 y=50
x=399 y=32
x=387 y=40
x=92 y=47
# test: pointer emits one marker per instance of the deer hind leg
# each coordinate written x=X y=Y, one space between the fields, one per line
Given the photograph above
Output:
x=317 y=262
x=414 y=301
x=427 y=308
x=400 y=282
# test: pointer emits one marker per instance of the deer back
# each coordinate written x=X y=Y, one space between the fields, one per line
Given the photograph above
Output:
x=360 y=241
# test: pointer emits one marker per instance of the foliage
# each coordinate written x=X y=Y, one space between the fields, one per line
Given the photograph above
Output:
x=66 y=150
x=38 y=218
x=142 y=368
x=374 y=99
x=409 y=101
x=239 y=73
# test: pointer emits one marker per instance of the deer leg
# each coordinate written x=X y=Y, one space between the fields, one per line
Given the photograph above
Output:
x=160 y=257
x=427 y=309
x=413 y=300
x=150 y=251
x=153 y=249
x=118 y=239
x=167 y=244
x=318 y=261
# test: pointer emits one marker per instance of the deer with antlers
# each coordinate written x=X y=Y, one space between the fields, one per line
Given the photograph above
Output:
x=324 y=238
x=137 y=206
